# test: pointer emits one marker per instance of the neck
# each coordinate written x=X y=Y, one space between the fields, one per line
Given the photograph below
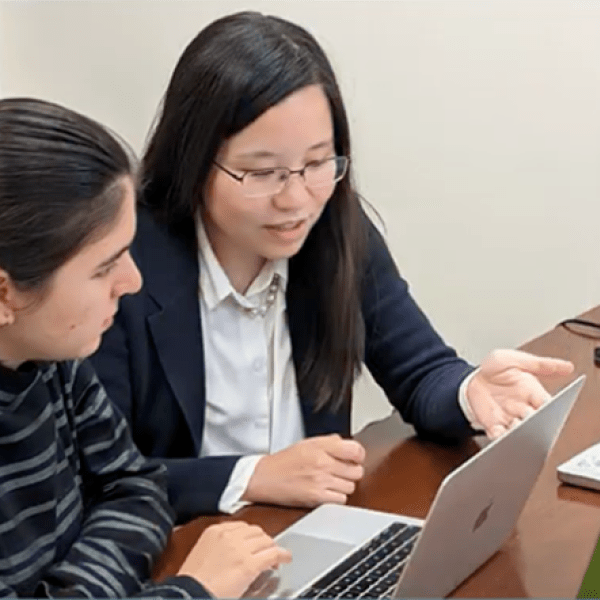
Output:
x=8 y=362
x=13 y=365
x=240 y=266
x=8 y=356
x=241 y=278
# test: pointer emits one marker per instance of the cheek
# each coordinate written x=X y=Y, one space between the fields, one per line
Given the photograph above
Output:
x=81 y=315
x=323 y=203
x=57 y=322
x=79 y=320
x=231 y=212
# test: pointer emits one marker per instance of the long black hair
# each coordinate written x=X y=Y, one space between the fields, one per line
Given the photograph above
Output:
x=60 y=187
x=233 y=71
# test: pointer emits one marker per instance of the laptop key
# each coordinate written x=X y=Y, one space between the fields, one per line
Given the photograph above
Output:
x=358 y=588
x=360 y=569
x=313 y=592
x=353 y=592
x=377 y=591
x=391 y=579
x=334 y=590
x=392 y=562
x=403 y=536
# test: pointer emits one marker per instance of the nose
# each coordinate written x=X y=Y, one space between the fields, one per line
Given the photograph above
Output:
x=130 y=278
x=294 y=195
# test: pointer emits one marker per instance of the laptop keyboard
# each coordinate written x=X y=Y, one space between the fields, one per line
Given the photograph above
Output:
x=373 y=570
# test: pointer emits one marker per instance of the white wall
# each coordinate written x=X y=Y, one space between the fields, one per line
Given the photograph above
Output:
x=1 y=48
x=476 y=132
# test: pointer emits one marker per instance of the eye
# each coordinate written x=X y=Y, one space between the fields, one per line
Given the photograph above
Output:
x=262 y=174
x=317 y=164
x=105 y=271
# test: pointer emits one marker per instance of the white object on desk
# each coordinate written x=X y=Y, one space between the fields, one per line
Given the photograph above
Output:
x=583 y=469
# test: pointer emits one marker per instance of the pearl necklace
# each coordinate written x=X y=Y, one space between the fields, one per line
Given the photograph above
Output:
x=262 y=309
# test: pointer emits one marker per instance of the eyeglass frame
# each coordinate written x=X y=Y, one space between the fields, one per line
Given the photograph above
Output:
x=240 y=178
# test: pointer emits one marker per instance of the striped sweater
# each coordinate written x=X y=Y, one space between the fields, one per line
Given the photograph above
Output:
x=82 y=514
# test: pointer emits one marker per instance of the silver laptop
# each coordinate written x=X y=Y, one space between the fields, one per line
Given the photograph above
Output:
x=349 y=552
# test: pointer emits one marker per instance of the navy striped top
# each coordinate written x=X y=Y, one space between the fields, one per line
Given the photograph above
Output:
x=82 y=513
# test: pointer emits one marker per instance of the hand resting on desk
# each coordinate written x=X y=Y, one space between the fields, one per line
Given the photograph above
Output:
x=505 y=389
x=308 y=473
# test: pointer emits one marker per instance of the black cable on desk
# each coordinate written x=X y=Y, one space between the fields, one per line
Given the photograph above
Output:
x=569 y=324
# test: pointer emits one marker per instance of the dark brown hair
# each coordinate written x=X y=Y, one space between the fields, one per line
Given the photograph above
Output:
x=59 y=187
x=231 y=73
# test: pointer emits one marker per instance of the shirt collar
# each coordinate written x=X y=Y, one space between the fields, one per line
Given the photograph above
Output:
x=215 y=285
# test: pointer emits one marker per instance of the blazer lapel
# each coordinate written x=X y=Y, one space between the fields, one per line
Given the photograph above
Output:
x=171 y=278
x=178 y=341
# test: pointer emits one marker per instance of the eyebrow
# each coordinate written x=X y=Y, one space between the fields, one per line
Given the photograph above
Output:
x=267 y=154
x=113 y=258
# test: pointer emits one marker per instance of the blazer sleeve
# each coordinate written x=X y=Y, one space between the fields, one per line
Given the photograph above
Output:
x=128 y=367
x=419 y=373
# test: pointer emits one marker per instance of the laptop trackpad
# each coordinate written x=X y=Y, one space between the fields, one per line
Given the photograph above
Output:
x=311 y=556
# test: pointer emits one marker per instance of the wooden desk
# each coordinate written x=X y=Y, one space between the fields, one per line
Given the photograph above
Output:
x=550 y=548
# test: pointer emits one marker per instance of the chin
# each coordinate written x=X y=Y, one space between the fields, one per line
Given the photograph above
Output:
x=279 y=252
x=273 y=256
x=89 y=349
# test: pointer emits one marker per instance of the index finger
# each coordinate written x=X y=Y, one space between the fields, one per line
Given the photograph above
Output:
x=536 y=365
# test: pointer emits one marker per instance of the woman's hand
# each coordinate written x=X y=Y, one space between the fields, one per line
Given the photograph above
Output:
x=308 y=473
x=229 y=556
x=506 y=389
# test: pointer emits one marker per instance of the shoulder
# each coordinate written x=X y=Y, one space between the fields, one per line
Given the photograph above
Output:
x=382 y=285
x=150 y=232
x=157 y=244
x=378 y=259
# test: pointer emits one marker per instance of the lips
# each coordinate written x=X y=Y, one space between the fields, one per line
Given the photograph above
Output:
x=287 y=226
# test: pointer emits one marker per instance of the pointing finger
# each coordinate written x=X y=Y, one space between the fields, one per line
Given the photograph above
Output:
x=500 y=360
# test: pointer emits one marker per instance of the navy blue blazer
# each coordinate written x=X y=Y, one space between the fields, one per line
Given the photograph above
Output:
x=152 y=364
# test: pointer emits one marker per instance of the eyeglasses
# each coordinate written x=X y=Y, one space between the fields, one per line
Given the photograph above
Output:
x=317 y=175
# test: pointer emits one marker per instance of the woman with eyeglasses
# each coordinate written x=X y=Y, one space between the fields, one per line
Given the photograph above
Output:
x=82 y=514
x=267 y=288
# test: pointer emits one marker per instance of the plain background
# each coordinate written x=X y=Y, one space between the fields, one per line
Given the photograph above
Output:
x=476 y=134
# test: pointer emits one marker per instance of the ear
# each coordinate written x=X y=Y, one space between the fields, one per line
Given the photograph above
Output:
x=7 y=296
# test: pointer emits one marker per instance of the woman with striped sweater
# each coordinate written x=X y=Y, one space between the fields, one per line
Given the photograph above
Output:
x=82 y=514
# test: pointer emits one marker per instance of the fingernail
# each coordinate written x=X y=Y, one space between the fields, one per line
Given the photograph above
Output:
x=497 y=431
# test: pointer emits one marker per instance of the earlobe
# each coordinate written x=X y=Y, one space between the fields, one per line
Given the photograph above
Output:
x=7 y=313
x=7 y=317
